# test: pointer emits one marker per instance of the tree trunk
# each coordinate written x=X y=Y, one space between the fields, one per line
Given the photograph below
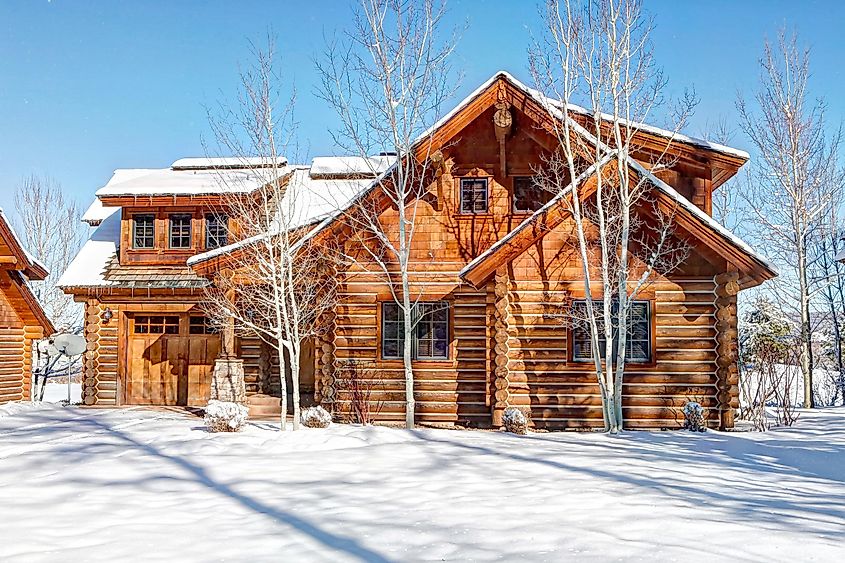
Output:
x=294 y=351
x=280 y=347
x=806 y=357
x=406 y=357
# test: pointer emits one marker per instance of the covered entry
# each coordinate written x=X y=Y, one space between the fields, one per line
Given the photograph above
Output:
x=169 y=359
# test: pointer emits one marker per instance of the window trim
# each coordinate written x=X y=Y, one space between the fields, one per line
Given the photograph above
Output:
x=447 y=306
x=461 y=181
x=223 y=224
x=190 y=234
x=135 y=218
x=650 y=361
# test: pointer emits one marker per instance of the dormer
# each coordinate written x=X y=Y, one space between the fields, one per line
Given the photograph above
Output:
x=171 y=214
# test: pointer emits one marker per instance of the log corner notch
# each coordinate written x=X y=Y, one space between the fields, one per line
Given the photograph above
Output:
x=501 y=316
x=324 y=383
x=727 y=374
x=91 y=362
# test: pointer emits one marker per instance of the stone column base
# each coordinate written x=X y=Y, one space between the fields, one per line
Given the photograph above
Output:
x=227 y=381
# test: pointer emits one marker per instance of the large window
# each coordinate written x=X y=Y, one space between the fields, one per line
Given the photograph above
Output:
x=637 y=343
x=431 y=334
x=474 y=196
x=180 y=231
x=216 y=231
x=143 y=231
x=527 y=195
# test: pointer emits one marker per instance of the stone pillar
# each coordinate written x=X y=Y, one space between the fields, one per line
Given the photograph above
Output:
x=727 y=374
x=227 y=378
x=501 y=315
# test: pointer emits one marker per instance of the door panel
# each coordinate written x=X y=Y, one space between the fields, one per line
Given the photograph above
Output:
x=167 y=368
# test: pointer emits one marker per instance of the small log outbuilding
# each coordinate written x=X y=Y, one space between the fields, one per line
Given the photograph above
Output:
x=22 y=320
x=492 y=265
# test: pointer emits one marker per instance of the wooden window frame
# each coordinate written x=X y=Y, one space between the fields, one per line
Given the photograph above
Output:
x=652 y=340
x=474 y=179
x=514 y=209
x=170 y=234
x=415 y=357
x=149 y=323
x=220 y=222
x=152 y=218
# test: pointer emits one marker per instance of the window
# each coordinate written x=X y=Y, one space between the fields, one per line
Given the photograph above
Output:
x=216 y=231
x=474 y=195
x=638 y=341
x=156 y=324
x=180 y=231
x=431 y=335
x=143 y=231
x=201 y=325
x=528 y=196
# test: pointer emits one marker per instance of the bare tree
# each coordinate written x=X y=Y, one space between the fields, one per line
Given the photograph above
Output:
x=52 y=231
x=598 y=53
x=387 y=79
x=275 y=284
x=793 y=178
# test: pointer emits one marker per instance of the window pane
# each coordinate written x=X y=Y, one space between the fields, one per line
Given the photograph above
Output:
x=638 y=339
x=143 y=231
x=474 y=195
x=527 y=196
x=216 y=231
x=180 y=231
x=391 y=349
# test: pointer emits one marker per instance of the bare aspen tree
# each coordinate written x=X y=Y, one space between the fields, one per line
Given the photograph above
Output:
x=789 y=193
x=387 y=79
x=274 y=286
x=597 y=53
x=51 y=227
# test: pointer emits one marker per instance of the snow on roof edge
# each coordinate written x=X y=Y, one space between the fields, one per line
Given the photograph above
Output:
x=32 y=259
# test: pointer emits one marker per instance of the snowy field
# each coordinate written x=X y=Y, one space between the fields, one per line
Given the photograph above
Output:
x=140 y=485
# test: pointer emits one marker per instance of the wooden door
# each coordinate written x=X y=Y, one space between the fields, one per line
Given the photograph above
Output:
x=169 y=361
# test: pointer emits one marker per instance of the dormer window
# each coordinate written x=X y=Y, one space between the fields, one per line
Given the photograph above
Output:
x=474 y=195
x=216 y=231
x=180 y=231
x=143 y=231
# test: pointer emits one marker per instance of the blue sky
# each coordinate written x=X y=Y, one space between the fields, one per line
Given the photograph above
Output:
x=87 y=87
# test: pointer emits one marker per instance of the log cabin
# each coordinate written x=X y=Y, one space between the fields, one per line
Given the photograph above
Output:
x=492 y=266
x=22 y=320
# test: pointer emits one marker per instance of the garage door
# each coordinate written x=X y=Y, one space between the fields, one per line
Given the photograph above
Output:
x=169 y=360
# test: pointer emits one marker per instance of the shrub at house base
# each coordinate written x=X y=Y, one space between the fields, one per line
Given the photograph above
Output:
x=515 y=421
x=316 y=417
x=224 y=416
x=694 y=417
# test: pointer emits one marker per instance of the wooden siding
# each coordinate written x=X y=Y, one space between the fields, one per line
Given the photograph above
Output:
x=17 y=338
x=563 y=393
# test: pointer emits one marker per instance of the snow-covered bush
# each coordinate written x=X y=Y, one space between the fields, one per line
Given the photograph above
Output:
x=223 y=416
x=514 y=420
x=316 y=417
x=694 y=417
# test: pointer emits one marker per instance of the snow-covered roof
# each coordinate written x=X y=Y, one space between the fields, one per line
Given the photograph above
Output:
x=194 y=177
x=683 y=202
x=234 y=162
x=97 y=212
x=546 y=101
x=329 y=166
x=18 y=242
x=89 y=265
x=307 y=200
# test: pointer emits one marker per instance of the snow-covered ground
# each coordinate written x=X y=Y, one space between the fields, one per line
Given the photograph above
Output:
x=134 y=484
x=57 y=392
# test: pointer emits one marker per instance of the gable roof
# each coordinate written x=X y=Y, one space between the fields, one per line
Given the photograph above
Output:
x=25 y=262
x=693 y=219
x=23 y=266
